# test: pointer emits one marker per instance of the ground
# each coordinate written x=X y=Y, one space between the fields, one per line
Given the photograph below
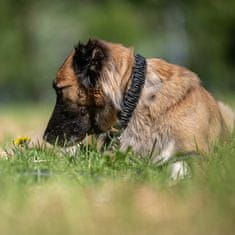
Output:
x=51 y=191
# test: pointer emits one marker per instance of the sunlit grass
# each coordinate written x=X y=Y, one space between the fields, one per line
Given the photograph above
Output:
x=47 y=190
x=51 y=191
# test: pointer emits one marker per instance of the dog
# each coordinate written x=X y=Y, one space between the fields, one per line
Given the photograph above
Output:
x=161 y=108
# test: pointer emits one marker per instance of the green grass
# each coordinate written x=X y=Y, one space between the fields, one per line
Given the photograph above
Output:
x=50 y=191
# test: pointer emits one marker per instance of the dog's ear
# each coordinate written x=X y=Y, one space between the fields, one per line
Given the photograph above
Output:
x=88 y=61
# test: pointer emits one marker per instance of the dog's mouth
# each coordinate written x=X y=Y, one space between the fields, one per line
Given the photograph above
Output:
x=63 y=140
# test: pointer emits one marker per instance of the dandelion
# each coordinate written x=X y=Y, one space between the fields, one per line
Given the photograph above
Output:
x=21 y=141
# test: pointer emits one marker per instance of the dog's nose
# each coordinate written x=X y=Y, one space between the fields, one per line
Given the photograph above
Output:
x=45 y=137
x=49 y=139
x=48 y=135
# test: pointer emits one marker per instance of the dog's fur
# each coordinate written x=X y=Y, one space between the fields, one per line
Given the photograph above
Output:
x=175 y=114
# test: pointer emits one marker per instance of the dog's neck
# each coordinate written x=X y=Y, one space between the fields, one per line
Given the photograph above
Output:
x=132 y=95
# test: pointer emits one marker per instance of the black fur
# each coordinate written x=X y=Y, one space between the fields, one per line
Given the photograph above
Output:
x=88 y=61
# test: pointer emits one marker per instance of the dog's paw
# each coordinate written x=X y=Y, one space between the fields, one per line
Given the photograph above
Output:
x=179 y=170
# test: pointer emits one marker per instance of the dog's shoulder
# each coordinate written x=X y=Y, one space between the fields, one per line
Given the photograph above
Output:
x=168 y=84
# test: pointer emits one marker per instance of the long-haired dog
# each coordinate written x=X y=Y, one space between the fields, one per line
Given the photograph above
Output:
x=161 y=107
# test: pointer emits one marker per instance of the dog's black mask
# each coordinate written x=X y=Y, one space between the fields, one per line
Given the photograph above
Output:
x=67 y=127
x=81 y=100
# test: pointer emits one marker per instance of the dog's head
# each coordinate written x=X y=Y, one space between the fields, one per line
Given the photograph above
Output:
x=87 y=86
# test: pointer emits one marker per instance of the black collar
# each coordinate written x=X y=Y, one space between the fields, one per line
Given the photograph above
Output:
x=131 y=98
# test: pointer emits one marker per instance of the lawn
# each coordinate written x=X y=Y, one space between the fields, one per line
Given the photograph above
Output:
x=47 y=190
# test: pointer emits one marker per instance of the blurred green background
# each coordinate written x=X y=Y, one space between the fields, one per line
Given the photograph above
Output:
x=47 y=191
x=36 y=36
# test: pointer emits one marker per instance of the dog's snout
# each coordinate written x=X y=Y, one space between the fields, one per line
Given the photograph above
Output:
x=48 y=136
x=44 y=137
x=66 y=125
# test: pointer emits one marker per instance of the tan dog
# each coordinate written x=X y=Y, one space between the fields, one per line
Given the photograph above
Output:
x=172 y=112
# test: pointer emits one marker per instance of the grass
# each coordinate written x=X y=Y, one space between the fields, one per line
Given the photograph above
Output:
x=53 y=191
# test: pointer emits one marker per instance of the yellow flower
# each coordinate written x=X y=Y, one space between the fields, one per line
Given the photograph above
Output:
x=21 y=140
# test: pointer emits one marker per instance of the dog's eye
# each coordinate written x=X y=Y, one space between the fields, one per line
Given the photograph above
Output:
x=83 y=111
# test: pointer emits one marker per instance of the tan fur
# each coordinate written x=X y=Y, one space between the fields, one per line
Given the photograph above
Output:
x=174 y=114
